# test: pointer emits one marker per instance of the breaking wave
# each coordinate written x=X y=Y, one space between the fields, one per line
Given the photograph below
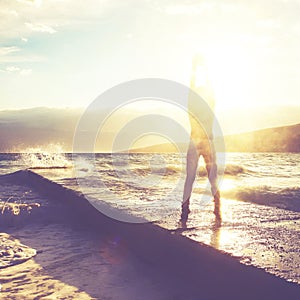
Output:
x=287 y=198
x=50 y=158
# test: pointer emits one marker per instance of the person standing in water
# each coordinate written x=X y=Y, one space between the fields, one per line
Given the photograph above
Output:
x=201 y=138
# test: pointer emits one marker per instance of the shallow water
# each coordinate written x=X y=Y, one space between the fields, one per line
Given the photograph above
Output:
x=75 y=264
x=260 y=204
x=257 y=235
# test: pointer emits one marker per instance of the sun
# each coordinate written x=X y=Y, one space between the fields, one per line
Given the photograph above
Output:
x=231 y=74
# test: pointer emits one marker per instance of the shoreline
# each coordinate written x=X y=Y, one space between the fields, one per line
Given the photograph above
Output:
x=201 y=270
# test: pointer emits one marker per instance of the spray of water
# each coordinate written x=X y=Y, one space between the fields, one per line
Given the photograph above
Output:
x=52 y=156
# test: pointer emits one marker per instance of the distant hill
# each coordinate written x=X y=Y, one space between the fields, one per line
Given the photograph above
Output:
x=37 y=127
x=22 y=130
x=161 y=148
x=278 y=139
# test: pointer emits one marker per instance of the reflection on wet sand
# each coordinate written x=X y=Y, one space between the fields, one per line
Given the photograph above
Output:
x=216 y=233
x=258 y=235
x=216 y=226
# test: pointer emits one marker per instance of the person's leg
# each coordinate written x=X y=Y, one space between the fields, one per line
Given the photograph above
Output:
x=191 y=170
x=212 y=172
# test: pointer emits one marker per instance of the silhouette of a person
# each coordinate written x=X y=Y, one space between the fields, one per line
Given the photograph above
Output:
x=201 y=139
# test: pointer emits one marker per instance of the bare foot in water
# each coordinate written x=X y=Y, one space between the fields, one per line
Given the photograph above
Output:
x=217 y=209
x=185 y=210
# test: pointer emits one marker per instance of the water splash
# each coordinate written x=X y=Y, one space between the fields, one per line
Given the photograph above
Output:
x=52 y=157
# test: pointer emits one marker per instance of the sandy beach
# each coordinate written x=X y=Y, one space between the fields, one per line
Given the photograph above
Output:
x=78 y=253
x=54 y=259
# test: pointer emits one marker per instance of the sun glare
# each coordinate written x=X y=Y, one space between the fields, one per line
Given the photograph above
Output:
x=201 y=76
x=230 y=72
x=232 y=75
x=227 y=184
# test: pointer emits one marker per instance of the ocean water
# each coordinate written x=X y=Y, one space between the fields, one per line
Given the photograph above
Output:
x=260 y=198
x=271 y=179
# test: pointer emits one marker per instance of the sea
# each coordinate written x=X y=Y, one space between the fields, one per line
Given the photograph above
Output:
x=260 y=198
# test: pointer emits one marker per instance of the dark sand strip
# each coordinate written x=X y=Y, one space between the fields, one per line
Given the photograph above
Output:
x=193 y=270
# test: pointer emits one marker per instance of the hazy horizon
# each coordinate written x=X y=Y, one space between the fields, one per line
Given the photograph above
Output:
x=43 y=128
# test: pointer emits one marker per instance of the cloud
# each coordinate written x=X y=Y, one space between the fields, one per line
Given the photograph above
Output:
x=17 y=70
x=188 y=9
x=13 y=54
x=12 y=69
x=7 y=50
x=25 y=40
x=20 y=59
x=40 y=27
x=25 y=72
x=268 y=24
x=36 y=3
x=9 y=12
x=22 y=17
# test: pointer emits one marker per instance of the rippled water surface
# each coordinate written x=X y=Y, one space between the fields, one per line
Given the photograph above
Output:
x=260 y=198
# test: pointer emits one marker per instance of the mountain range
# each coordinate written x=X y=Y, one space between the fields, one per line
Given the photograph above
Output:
x=278 y=139
x=41 y=126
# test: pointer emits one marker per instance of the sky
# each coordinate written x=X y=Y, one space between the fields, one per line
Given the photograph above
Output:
x=63 y=53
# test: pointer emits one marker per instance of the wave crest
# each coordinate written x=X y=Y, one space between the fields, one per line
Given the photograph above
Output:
x=287 y=198
x=230 y=169
x=50 y=158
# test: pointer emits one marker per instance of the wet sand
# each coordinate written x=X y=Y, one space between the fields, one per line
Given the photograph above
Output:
x=44 y=256
x=75 y=264
x=258 y=235
x=82 y=254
